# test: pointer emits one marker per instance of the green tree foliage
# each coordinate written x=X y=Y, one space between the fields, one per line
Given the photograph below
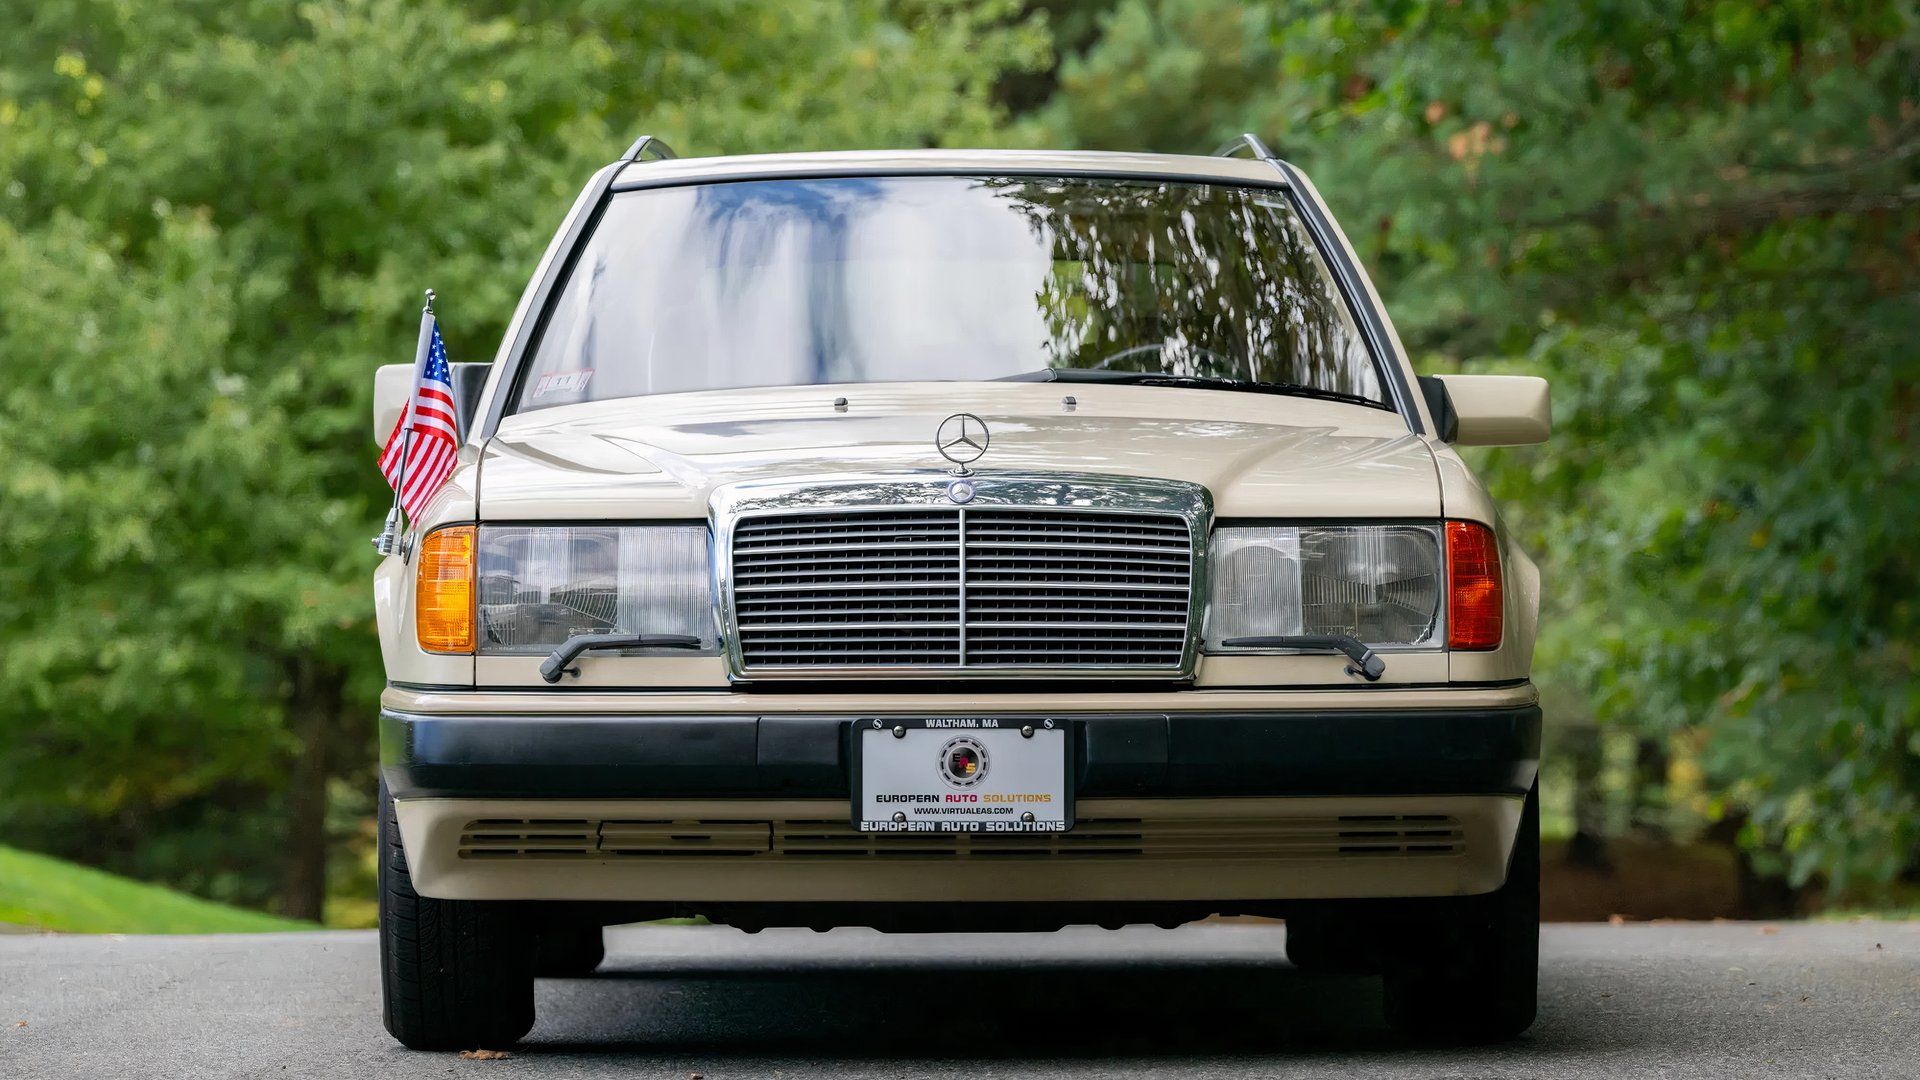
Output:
x=1701 y=220
x=216 y=217
x=1698 y=218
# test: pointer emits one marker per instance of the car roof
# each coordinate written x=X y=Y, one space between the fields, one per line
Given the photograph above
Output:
x=674 y=171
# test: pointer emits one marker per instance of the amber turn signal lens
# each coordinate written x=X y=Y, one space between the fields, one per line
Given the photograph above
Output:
x=1476 y=603
x=443 y=598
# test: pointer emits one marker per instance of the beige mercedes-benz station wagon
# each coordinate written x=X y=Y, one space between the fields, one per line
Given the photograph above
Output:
x=959 y=541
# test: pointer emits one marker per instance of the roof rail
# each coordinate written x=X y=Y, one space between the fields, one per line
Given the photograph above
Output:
x=647 y=146
x=1250 y=143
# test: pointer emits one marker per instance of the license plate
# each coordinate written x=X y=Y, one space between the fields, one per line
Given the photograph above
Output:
x=961 y=774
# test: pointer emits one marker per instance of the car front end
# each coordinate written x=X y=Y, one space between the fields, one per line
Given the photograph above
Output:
x=890 y=617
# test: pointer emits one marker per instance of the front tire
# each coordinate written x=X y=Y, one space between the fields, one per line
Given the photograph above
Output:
x=1469 y=969
x=454 y=974
x=568 y=951
x=1335 y=939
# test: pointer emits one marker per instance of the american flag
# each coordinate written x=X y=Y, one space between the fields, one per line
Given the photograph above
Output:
x=430 y=453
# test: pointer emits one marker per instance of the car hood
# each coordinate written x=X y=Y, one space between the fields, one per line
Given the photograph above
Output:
x=662 y=457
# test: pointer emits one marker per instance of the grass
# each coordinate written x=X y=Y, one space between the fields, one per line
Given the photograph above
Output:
x=44 y=893
x=1896 y=902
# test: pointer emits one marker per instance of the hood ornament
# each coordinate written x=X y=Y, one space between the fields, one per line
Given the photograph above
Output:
x=962 y=439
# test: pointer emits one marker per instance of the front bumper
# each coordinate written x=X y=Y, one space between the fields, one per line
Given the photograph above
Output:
x=1289 y=753
x=1181 y=805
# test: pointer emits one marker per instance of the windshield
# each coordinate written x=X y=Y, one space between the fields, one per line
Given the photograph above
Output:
x=885 y=279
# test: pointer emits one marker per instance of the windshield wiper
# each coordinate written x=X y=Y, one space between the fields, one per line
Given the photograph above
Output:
x=556 y=665
x=1200 y=382
x=1366 y=663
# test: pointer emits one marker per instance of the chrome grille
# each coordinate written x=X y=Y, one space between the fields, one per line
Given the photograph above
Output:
x=974 y=587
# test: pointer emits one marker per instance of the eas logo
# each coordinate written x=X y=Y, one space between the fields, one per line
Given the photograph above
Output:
x=963 y=762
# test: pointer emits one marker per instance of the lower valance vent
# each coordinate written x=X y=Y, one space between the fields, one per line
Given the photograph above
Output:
x=1265 y=839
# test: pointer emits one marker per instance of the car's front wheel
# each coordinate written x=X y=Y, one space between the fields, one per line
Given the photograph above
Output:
x=568 y=951
x=1467 y=970
x=454 y=974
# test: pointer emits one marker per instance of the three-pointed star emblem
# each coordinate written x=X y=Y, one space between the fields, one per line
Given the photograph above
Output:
x=962 y=439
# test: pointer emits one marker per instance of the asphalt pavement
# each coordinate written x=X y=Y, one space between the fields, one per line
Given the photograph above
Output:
x=1211 y=1000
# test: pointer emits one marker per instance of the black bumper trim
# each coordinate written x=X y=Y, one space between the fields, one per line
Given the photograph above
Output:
x=1119 y=755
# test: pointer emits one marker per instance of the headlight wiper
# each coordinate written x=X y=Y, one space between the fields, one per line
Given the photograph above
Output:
x=1366 y=663
x=557 y=665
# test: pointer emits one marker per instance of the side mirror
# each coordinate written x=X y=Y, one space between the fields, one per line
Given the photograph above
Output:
x=1492 y=410
x=392 y=383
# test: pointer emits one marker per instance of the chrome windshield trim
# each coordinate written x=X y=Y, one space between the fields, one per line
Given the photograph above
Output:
x=1082 y=492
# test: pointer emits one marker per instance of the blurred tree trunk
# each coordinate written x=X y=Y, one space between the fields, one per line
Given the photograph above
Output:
x=1762 y=896
x=312 y=717
x=1583 y=748
x=1651 y=761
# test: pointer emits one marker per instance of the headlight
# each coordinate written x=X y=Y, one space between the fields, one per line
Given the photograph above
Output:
x=540 y=585
x=1379 y=583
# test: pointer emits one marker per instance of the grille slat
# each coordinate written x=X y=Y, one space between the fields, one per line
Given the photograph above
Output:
x=945 y=586
x=1106 y=550
x=1042 y=588
x=957 y=588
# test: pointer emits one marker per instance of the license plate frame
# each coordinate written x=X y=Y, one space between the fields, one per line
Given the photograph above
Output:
x=1017 y=768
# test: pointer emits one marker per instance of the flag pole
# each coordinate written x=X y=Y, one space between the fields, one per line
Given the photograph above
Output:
x=388 y=540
